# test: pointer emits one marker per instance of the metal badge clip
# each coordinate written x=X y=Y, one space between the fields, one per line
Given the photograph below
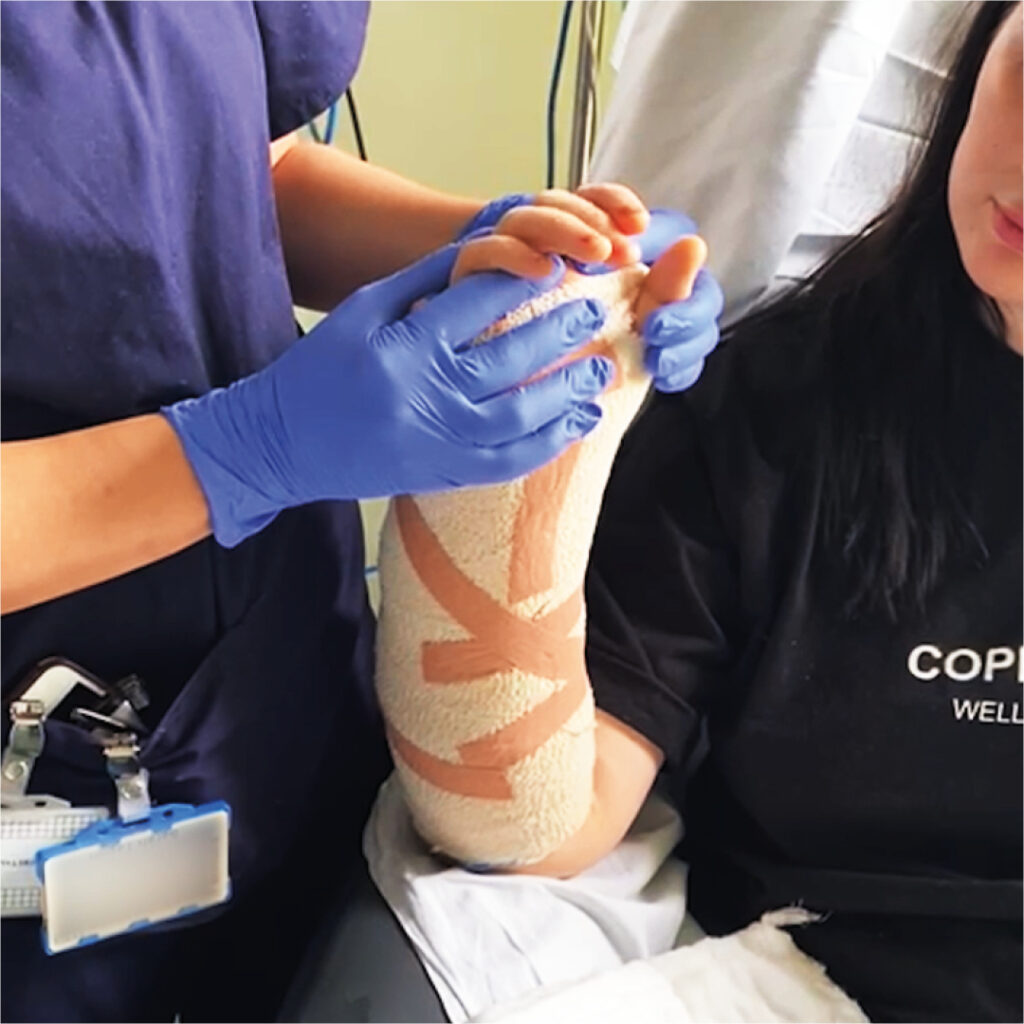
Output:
x=24 y=745
x=131 y=780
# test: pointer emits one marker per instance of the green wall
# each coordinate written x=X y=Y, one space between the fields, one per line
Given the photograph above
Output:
x=453 y=93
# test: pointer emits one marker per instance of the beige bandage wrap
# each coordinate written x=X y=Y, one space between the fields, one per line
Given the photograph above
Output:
x=480 y=648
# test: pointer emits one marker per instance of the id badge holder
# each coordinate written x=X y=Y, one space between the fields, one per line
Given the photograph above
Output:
x=87 y=876
x=148 y=866
x=118 y=877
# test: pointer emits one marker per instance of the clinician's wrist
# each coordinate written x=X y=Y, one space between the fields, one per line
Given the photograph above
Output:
x=233 y=457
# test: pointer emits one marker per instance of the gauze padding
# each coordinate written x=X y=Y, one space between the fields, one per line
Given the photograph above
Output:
x=480 y=651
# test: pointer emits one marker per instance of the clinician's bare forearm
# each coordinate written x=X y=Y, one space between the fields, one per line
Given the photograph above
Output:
x=83 y=507
x=344 y=222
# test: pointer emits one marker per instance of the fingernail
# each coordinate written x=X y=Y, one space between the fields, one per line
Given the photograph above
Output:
x=584 y=419
x=602 y=370
x=668 y=328
x=590 y=376
x=592 y=315
x=589 y=316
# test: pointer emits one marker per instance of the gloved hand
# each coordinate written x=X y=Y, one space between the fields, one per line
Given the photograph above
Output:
x=376 y=401
x=490 y=214
x=679 y=335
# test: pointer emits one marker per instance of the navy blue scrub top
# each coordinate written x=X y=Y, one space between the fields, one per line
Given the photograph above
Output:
x=142 y=264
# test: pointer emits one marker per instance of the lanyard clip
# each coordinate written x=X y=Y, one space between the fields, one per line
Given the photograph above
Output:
x=24 y=745
x=131 y=780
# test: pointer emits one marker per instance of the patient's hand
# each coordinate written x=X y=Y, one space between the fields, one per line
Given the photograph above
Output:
x=591 y=225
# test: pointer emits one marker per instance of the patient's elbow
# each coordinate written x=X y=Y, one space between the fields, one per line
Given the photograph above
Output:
x=497 y=816
x=624 y=768
x=592 y=843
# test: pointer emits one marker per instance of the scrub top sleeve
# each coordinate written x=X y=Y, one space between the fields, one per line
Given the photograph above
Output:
x=661 y=586
x=311 y=52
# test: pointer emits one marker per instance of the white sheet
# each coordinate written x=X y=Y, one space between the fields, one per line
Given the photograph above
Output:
x=757 y=974
x=611 y=945
x=488 y=939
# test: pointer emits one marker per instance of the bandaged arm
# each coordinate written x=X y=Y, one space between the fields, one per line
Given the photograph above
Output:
x=481 y=669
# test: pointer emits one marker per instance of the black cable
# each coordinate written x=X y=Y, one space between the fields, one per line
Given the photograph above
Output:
x=556 y=75
x=356 y=130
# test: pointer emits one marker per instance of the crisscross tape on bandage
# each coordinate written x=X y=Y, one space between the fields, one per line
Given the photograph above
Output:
x=480 y=663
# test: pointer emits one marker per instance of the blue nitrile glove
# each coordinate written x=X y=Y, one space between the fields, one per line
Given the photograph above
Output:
x=679 y=335
x=378 y=401
x=487 y=217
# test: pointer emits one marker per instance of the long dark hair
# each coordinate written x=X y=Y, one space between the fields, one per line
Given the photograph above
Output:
x=898 y=314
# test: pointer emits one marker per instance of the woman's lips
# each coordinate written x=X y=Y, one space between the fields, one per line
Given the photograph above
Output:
x=1009 y=227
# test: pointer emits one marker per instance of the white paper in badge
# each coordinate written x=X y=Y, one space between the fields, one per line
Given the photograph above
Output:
x=34 y=824
x=116 y=877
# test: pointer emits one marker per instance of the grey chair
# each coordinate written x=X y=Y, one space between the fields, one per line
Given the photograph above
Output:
x=361 y=967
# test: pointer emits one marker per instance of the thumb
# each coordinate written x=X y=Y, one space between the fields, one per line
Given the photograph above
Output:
x=672 y=276
x=391 y=298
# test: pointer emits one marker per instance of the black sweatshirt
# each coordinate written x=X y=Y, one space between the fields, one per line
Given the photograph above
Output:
x=865 y=769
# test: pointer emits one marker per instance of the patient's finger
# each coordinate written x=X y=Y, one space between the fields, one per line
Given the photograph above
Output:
x=672 y=276
x=500 y=252
x=550 y=230
x=623 y=252
x=621 y=203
